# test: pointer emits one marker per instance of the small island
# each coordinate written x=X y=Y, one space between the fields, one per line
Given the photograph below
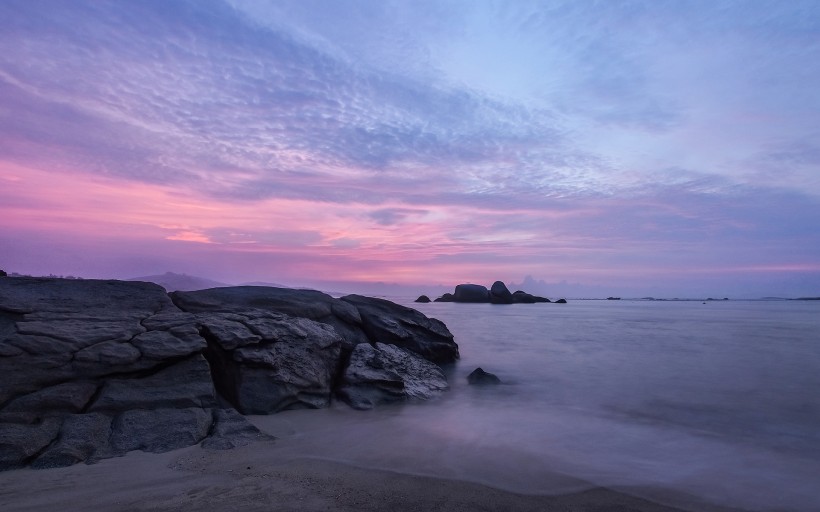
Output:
x=498 y=293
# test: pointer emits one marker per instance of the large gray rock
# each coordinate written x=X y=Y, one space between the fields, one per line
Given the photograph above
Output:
x=94 y=369
x=310 y=304
x=471 y=293
x=386 y=373
x=499 y=294
x=267 y=362
x=54 y=331
x=387 y=322
x=76 y=354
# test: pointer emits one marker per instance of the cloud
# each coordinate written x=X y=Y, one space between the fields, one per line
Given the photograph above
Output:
x=391 y=216
x=454 y=138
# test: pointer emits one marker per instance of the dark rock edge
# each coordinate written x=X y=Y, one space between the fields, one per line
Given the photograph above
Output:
x=110 y=397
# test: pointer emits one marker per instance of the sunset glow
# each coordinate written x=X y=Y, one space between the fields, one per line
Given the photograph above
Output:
x=655 y=148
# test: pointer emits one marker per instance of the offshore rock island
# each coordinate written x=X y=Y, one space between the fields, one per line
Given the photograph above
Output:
x=93 y=369
x=498 y=293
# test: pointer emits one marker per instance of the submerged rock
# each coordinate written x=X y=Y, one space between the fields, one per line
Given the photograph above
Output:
x=479 y=377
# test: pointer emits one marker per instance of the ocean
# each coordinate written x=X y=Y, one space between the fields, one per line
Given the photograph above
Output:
x=683 y=402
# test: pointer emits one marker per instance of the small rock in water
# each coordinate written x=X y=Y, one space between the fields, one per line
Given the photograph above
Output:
x=481 y=378
x=424 y=299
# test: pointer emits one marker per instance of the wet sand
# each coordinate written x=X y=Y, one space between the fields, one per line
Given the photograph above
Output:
x=263 y=477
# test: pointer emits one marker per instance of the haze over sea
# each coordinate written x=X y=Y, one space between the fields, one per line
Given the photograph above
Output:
x=685 y=402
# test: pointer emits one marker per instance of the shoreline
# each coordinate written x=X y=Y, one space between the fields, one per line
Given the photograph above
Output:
x=261 y=476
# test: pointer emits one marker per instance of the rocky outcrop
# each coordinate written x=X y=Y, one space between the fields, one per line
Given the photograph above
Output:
x=386 y=322
x=386 y=373
x=266 y=362
x=471 y=293
x=310 y=304
x=423 y=299
x=499 y=294
x=520 y=297
x=479 y=377
x=93 y=369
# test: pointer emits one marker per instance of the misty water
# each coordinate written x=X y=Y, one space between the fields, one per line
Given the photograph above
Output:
x=677 y=401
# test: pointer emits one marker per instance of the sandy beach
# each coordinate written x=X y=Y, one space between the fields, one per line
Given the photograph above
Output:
x=262 y=476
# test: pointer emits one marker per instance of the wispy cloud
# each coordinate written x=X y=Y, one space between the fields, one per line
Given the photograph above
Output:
x=456 y=139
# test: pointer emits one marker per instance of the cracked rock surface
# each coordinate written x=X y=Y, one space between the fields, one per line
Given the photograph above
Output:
x=91 y=369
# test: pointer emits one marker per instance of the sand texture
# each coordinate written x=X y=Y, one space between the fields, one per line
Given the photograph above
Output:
x=257 y=477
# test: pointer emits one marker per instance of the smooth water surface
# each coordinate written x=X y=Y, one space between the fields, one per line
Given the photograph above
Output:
x=715 y=400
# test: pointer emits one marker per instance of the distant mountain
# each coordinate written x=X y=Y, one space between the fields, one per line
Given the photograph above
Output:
x=180 y=282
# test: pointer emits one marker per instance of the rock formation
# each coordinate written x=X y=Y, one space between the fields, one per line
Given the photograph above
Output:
x=479 y=377
x=423 y=299
x=471 y=293
x=93 y=369
x=386 y=373
x=497 y=294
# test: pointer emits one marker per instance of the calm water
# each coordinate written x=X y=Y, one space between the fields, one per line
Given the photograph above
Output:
x=718 y=401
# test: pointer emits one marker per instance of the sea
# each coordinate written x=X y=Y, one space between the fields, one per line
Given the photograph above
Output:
x=689 y=403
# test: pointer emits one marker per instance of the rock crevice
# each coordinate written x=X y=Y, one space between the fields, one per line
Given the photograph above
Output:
x=94 y=369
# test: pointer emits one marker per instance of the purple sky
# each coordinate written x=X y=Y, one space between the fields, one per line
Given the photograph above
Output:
x=634 y=148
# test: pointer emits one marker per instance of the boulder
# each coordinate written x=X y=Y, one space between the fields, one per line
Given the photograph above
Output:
x=499 y=294
x=479 y=377
x=424 y=299
x=387 y=322
x=471 y=293
x=385 y=373
x=561 y=301
x=269 y=362
x=84 y=362
x=55 y=331
x=447 y=297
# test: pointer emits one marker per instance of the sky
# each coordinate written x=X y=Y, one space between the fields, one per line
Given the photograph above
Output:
x=665 y=148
